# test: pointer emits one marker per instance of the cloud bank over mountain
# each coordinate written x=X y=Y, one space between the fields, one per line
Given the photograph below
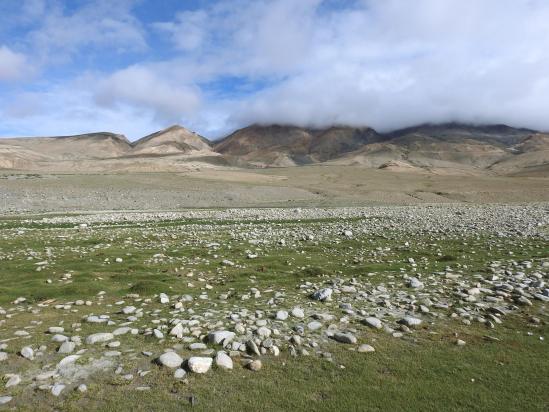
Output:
x=135 y=67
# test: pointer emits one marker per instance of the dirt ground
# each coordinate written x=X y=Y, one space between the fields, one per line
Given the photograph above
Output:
x=326 y=185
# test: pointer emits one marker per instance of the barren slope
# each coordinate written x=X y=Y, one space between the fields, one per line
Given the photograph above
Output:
x=173 y=140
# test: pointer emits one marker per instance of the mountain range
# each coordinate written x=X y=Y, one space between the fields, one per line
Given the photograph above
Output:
x=439 y=148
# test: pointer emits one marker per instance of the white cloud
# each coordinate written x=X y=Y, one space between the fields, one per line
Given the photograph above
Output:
x=385 y=64
x=187 y=32
x=13 y=65
x=142 y=87
x=69 y=108
x=396 y=63
x=101 y=24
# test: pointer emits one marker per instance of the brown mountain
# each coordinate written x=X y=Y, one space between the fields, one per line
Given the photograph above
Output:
x=450 y=146
x=445 y=148
x=172 y=149
x=173 y=140
x=277 y=145
x=22 y=153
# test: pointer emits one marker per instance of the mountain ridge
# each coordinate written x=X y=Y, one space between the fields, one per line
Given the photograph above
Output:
x=498 y=147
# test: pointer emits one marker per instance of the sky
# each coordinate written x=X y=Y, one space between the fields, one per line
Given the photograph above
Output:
x=137 y=66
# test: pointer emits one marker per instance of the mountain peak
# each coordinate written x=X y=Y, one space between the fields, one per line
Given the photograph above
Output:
x=172 y=140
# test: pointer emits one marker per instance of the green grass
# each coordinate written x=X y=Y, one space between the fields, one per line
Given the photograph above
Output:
x=428 y=374
x=424 y=370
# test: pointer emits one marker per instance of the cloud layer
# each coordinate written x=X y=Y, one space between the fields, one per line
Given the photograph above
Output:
x=385 y=64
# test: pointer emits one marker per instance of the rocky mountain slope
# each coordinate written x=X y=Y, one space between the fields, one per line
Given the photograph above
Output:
x=443 y=148
x=289 y=145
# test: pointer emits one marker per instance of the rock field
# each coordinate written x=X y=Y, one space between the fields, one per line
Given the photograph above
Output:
x=245 y=288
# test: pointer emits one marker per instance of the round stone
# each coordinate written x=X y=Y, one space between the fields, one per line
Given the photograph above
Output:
x=170 y=360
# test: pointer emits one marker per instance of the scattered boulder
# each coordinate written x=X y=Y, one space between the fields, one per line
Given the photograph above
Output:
x=198 y=364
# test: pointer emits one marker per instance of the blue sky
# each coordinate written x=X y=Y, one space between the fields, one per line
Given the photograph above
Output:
x=137 y=66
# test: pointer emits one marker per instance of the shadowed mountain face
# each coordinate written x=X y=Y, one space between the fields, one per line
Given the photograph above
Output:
x=449 y=147
x=288 y=145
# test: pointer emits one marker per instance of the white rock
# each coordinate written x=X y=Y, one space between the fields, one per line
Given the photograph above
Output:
x=298 y=313
x=121 y=331
x=27 y=353
x=415 y=283
x=281 y=315
x=223 y=361
x=128 y=310
x=13 y=380
x=199 y=364
x=67 y=361
x=180 y=373
x=55 y=329
x=67 y=347
x=59 y=338
x=365 y=348
x=314 y=325
x=5 y=399
x=57 y=389
x=254 y=365
x=177 y=331
x=170 y=360
x=220 y=336
x=99 y=338
x=264 y=332
x=410 y=321
x=373 y=322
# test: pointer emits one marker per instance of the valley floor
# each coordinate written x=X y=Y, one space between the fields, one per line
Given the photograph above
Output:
x=359 y=308
x=308 y=186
